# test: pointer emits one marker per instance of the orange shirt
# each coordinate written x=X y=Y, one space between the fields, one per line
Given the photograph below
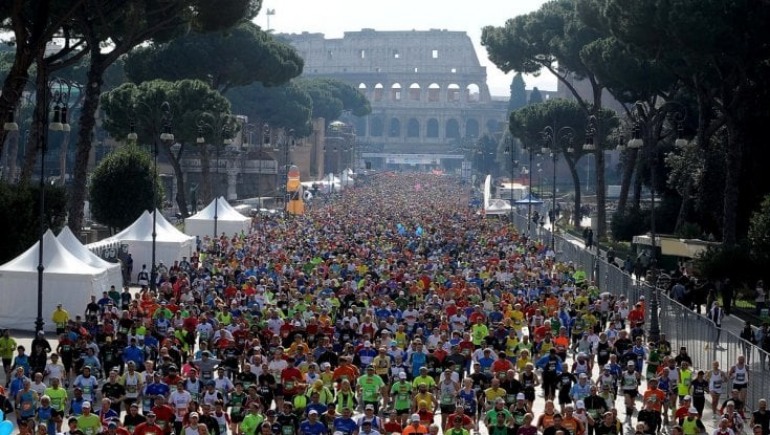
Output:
x=658 y=397
x=411 y=429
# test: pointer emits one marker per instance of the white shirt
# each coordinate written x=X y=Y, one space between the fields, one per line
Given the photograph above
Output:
x=54 y=371
x=180 y=401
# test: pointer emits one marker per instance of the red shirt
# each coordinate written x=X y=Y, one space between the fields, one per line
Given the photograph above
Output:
x=146 y=429
x=294 y=376
x=164 y=416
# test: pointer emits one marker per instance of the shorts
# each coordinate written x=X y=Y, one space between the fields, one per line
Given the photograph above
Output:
x=403 y=411
x=448 y=409
x=633 y=393
x=740 y=387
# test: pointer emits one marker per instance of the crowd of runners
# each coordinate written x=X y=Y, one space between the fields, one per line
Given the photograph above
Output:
x=394 y=308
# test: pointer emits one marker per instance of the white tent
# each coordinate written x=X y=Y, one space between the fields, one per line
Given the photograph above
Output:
x=72 y=244
x=494 y=206
x=229 y=221
x=170 y=243
x=66 y=280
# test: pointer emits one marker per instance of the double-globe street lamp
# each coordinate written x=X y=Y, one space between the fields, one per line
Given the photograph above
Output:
x=227 y=139
x=552 y=137
x=643 y=122
x=57 y=94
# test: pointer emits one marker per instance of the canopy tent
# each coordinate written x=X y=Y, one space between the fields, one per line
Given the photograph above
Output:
x=229 y=221
x=529 y=199
x=498 y=206
x=170 y=243
x=66 y=280
x=73 y=245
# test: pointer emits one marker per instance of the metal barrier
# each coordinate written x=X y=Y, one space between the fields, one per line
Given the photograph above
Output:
x=705 y=342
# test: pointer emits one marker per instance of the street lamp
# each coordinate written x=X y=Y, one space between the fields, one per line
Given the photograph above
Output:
x=531 y=152
x=166 y=136
x=552 y=137
x=57 y=92
x=590 y=146
x=643 y=122
x=509 y=151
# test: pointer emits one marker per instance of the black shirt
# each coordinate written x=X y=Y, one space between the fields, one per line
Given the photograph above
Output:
x=762 y=419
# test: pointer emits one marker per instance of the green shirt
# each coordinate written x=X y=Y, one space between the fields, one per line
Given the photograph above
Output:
x=58 y=398
x=370 y=387
x=401 y=392
x=89 y=424
x=251 y=423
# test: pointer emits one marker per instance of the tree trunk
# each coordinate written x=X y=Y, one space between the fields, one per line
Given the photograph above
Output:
x=87 y=121
x=38 y=127
x=63 y=157
x=576 y=215
x=13 y=88
x=733 y=158
x=181 y=200
x=206 y=173
x=13 y=155
x=625 y=182
x=601 y=191
x=637 y=199
x=684 y=208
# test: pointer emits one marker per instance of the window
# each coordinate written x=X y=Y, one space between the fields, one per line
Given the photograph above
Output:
x=396 y=54
x=330 y=54
x=454 y=70
x=416 y=69
x=434 y=54
x=362 y=53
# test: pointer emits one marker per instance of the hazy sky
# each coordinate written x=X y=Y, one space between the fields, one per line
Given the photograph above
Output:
x=333 y=17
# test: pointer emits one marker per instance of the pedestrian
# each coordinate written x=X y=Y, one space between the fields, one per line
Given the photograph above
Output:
x=716 y=314
x=760 y=297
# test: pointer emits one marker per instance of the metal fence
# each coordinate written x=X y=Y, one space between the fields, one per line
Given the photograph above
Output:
x=706 y=343
x=683 y=327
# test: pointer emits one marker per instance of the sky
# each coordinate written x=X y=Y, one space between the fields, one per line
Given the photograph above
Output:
x=334 y=17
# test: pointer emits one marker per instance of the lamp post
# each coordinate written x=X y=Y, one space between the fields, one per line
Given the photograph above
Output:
x=57 y=92
x=552 y=136
x=531 y=153
x=590 y=146
x=509 y=151
x=166 y=136
x=643 y=121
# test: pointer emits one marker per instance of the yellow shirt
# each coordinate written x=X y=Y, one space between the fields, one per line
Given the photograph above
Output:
x=60 y=317
x=494 y=393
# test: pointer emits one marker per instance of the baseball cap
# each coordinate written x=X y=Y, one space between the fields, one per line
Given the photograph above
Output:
x=86 y=405
x=630 y=364
x=194 y=414
x=692 y=410
x=688 y=397
x=521 y=396
x=367 y=344
x=370 y=407
x=312 y=411
x=583 y=376
x=402 y=375
x=415 y=418
x=112 y=424
x=580 y=405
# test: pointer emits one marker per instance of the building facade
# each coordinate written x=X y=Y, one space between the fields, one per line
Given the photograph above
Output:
x=427 y=89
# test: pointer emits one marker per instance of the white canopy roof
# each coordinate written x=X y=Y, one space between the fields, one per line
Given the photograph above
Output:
x=66 y=280
x=170 y=243
x=229 y=221
x=73 y=245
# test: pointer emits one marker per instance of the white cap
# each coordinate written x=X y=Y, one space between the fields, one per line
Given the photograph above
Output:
x=312 y=411
x=415 y=417
x=688 y=397
x=368 y=344
x=580 y=405
x=86 y=404
x=402 y=375
x=521 y=396
x=692 y=410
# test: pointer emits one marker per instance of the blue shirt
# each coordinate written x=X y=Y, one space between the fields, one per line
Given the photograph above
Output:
x=345 y=425
x=316 y=428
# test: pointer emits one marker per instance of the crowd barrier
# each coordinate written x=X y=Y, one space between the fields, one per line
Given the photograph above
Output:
x=683 y=327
